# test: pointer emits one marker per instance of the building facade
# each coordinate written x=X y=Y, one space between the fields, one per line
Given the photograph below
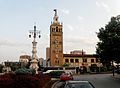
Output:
x=77 y=60
x=56 y=42
x=48 y=56
x=24 y=59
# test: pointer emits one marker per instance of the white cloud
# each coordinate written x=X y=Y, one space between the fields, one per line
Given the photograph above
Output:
x=70 y=27
x=80 y=18
x=103 y=5
x=81 y=40
x=65 y=11
x=97 y=3
x=12 y=43
x=78 y=42
x=106 y=7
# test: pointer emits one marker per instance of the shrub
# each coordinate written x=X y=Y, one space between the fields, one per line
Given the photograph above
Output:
x=26 y=81
x=6 y=81
x=43 y=78
x=23 y=71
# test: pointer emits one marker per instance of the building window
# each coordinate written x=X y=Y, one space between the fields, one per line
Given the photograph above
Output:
x=71 y=60
x=85 y=60
x=66 y=60
x=76 y=60
x=92 y=60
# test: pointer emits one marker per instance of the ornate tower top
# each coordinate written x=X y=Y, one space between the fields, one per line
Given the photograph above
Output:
x=55 y=19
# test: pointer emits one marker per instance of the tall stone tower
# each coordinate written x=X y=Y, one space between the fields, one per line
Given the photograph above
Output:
x=56 y=42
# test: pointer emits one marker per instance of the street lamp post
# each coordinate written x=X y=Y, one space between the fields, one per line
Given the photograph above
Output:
x=34 y=62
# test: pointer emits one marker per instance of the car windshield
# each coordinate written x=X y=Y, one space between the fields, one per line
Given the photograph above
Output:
x=79 y=85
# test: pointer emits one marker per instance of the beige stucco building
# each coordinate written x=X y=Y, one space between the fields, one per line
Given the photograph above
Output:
x=77 y=60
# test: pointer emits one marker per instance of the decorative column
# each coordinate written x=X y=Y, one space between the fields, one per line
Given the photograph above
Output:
x=34 y=62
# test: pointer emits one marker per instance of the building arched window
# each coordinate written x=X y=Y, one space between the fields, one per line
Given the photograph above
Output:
x=76 y=60
x=92 y=60
x=66 y=60
x=72 y=60
x=84 y=59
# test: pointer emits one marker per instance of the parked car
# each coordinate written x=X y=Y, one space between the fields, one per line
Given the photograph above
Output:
x=54 y=73
x=66 y=76
x=78 y=84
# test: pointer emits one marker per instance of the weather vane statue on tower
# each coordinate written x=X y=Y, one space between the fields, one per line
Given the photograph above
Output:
x=55 y=17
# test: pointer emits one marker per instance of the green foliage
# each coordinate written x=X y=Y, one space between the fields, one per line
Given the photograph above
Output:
x=108 y=47
x=1 y=67
x=109 y=68
x=13 y=68
x=103 y=69
x=23 y=71
x=65 y=65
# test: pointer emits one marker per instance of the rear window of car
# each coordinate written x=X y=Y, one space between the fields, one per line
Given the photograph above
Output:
x=79 y=85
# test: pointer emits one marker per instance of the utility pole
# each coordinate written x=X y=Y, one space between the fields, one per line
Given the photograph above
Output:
x=34 y=62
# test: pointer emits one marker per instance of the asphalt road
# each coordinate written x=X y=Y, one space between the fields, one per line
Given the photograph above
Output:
x=98 y=80
x=101 y=80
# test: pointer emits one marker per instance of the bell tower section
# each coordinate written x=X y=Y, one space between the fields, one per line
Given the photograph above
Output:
x=56 y=42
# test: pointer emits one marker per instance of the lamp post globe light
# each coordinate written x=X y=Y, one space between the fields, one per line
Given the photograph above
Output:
x=34 y=62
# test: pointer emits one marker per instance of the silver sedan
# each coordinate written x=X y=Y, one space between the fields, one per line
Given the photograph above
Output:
x=78 y=84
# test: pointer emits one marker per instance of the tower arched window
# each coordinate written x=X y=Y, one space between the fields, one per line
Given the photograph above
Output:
x=56 y=29
x=52 y=29
x=55 y=61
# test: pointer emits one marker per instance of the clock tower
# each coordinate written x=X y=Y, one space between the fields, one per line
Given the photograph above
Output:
x=56 y=42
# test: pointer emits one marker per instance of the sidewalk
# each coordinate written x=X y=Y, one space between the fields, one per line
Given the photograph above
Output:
x=117 y=76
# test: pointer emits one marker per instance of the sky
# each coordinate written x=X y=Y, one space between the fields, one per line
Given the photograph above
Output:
x=81 y=20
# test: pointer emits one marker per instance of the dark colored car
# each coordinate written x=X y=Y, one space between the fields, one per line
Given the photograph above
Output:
x=66 y=76
x=78 y=84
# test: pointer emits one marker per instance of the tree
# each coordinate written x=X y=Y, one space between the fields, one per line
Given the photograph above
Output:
x=108 y=47
x=1 y=67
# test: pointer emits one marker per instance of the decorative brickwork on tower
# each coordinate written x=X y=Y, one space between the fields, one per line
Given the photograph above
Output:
x=56 y=42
